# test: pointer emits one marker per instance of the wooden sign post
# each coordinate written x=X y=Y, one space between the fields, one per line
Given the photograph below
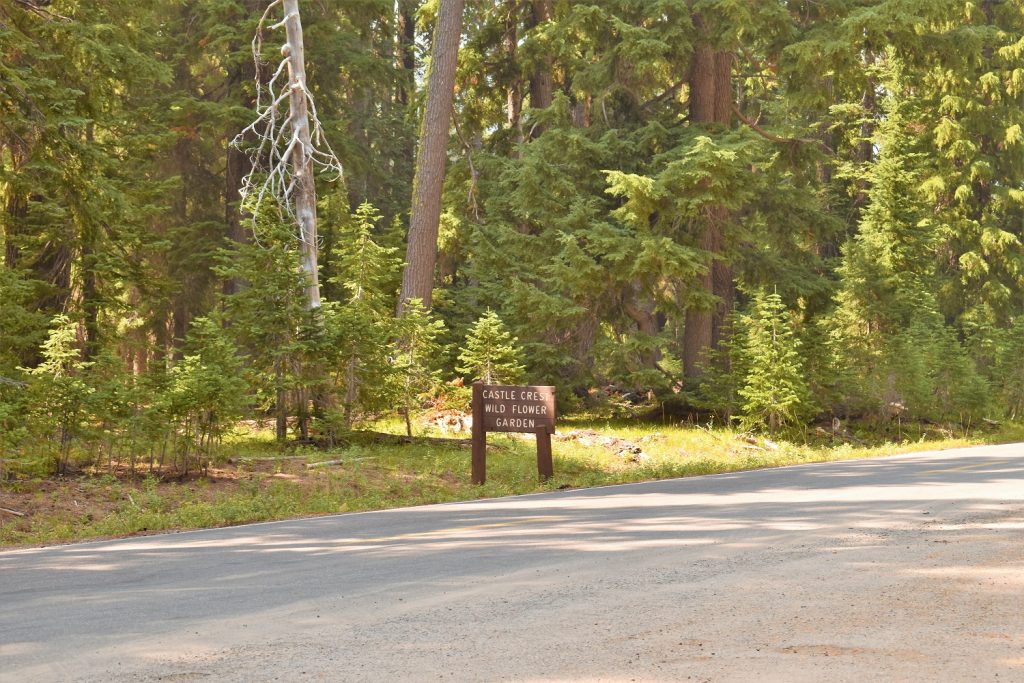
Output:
x=498 y=408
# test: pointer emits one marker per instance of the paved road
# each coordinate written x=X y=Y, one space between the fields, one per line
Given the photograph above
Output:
x=904 y=568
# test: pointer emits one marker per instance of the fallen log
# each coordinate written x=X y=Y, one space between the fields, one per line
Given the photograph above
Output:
x=324 y=463
x=383 y=437
x=239 y=459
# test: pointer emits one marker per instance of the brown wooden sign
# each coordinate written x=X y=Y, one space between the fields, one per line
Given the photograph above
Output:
x=518 y=409
x=501 y=408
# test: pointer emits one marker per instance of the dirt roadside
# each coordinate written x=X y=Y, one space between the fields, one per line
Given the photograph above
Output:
x=935 y=594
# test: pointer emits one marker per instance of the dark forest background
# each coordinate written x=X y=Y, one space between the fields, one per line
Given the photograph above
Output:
x=759 y=210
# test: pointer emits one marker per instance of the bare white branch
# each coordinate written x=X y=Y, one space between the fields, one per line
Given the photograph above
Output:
x=269 y=140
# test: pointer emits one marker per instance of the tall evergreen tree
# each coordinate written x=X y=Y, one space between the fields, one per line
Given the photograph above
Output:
x=421 y=255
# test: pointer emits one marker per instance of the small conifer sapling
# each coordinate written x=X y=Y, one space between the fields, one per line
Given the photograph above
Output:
x=491 y=354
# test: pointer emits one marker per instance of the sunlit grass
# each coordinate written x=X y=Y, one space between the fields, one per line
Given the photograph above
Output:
x=270 y=483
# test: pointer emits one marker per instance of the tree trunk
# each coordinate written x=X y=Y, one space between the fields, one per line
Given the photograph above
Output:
x=53 y=266
x=697 y=333
x=185 y=165
x=514 y=97
x=15 y=206
x=702 y=85
x=642 y=313
x=237 y=164
x=301 y=156
x=161 y=342
x=88 y=239
x=280 y=403
x=722 y=283
x=864 y=151
x=90 y=303
x=723 y=87
x=541 y=82
x=237 y=167
x=407 y=49
x=711 y=101
x=421 y=252
x=581 y=112
x=181 y=322
x=16 y=211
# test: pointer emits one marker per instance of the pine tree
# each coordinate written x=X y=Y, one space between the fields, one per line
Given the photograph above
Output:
x=774 y=390
x=491 y=354
x=1009 y=370
x=431 y=159
x=58 y=390
x=360 y=324
x=24 y=327
x=416 y=371
x=21 y=331
x=207 y=391
x=267 y=315
x=726 y=373
x=890 y=322
x=14 y=407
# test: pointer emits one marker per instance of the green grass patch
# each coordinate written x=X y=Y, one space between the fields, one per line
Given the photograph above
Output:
x=256 y=481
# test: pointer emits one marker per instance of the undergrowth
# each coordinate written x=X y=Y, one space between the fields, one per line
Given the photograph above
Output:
x=253 y=481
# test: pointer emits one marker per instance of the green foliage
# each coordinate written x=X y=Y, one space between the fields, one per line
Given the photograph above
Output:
x=415 y=367
x=24 y=327
x=21 y=331
x=725 y=373
x=58 y=390
x=359 y=327
x=376 y=476
x=13 y=428
x=206 y=392
x=491 y=354
x=773 y=391
x=888 y=326
x=268 y=312
x=365 y=268
x=1008 y=370
x=867 y=169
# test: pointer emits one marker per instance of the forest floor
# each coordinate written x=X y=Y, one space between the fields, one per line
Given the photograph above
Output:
x=252 y=480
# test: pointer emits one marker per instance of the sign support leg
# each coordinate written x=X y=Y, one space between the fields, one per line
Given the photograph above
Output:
x=479 y=436
x=545 y=467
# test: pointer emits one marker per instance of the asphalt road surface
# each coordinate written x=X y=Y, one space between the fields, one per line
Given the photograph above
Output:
x=904 y=568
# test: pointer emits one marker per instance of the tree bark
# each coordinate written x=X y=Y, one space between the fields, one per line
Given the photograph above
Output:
x=16 y=211
x=642 y=313
x=697 y=332
x=702 y=85
x=88 y=239
x=711 y=100
x=865 y=148
x=723 y=87
x=581 y=112
x=15 y=206
x=237 y=167
x=161 y=342
x=722 y=282
x=90 y=302
x=407 y=48
x=181 y=319
x=421 y=252
x=53 y=266
x=542 y=85
x=514 y=96
x=280 y=404
x=301 y=156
